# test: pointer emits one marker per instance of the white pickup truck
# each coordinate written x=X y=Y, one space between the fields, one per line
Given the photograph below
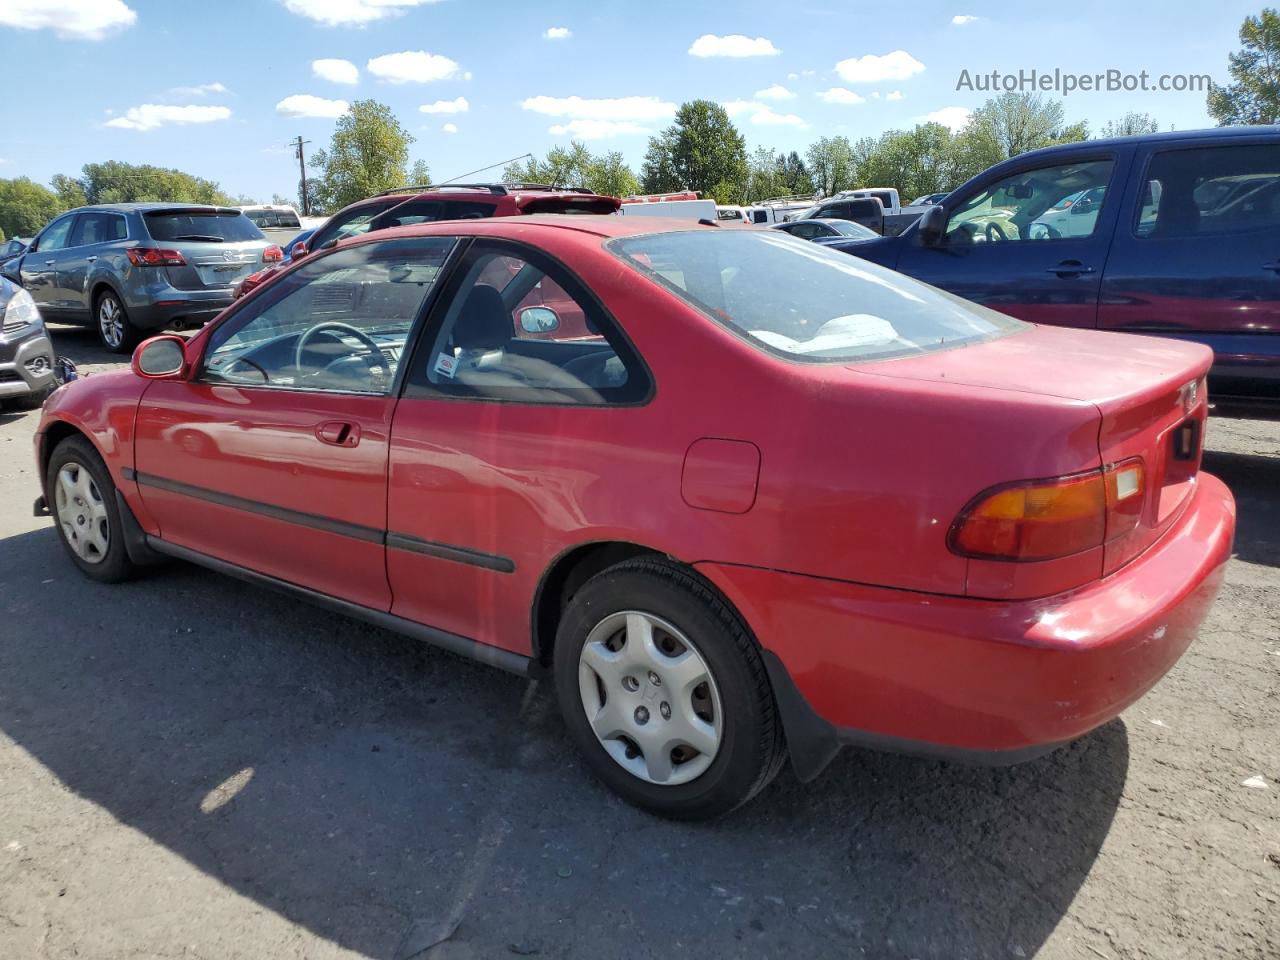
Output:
x=896 y=217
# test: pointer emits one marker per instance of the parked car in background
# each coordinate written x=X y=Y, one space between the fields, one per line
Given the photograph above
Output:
x=688 y=205
x=12 y=248
x=779 y=209
x=457 y=201
x=128 y=268
x=1072 y=216
x=709 y=586
x=825 y=231
x=866 y=211
x=26 y=355
x=277 y=223
x=1184 y=243
x=928 y=200
x=731 y=215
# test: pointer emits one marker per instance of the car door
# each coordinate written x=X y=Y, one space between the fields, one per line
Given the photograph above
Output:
x=995 y=252
x=39 y=270
x=1198 y=256
x=89 y=238
x=273 y=456
x=485 y=473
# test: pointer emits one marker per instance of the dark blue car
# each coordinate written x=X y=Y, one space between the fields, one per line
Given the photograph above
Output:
x=1175 y=234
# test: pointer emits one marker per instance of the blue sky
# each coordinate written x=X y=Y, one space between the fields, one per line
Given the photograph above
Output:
x=217 y=89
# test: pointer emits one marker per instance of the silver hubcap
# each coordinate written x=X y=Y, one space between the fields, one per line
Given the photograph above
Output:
x=111 y=321
x=650 y=698
x=81 y=513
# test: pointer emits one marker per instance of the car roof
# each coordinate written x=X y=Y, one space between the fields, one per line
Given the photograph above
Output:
x=1210 y=134
x=145 y=207
x=599 y=225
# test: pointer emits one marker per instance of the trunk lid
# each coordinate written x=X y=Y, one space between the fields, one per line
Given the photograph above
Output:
x=1149 y=392
x=220 y=245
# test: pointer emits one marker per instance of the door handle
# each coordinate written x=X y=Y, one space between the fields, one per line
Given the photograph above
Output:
x=90 y=259
x=339 y=433
x=1273 y=265
x=50 y=263
x=1070 y=268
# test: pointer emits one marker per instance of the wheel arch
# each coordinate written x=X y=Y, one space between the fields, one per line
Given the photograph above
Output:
x=100 y=285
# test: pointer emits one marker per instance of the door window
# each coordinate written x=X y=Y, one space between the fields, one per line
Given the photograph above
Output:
x=337 y=323
x=350 y=223
x=98 y=228
x=428 y=211
x=1213 y=191
x=520 y=328
x=1033 y=205
x=55 y=237
x=806 y=231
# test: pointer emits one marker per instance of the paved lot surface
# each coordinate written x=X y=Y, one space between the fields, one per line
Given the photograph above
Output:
x=191 y=767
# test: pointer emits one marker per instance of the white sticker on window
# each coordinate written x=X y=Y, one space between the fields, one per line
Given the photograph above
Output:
x=446 y=365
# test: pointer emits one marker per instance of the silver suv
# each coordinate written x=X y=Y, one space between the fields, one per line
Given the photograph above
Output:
x=131 y=268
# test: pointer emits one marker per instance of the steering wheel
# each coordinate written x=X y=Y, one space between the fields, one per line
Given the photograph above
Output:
x=995 y=232
x=375 y=350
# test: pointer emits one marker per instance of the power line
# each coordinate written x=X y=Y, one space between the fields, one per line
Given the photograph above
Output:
x=500 y=163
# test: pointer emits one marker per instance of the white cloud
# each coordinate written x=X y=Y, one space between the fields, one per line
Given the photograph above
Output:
x=335 y=71
x=953 y=117
x=894 y=95
x=733 y=45
x=961 y=19
x=557 y=33
x=412 y=66
x=333 y=13
x=842 y=95
x=616 y=108
x=793 y=76
x=202 y=90
x=305 y=105
x=596 y=129
x=761 y=114
x=807 y=73
x=69 y=19
x=450 y=128
x=148 y=116
x=446 y=106
x=775 y=92
x=898 y=65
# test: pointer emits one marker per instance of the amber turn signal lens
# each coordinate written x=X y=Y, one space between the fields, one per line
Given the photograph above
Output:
x=1045 y=519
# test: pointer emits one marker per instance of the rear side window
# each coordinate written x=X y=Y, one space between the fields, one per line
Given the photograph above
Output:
x=210 y=226
x=1212 y=191
x=98 y=228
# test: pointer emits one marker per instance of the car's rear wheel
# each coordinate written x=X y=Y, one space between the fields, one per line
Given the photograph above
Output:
x=82 y=499
x=666 y=692
x=114 y=329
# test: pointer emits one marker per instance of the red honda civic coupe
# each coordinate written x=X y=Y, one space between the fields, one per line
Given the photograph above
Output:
x=739 y=496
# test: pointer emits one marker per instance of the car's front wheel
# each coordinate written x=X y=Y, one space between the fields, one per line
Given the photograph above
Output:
x=114 y=329
x=666 y=692
x=82 y=499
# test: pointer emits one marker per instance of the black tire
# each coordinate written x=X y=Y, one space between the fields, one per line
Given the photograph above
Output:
x=751 y=748
x=114 y=564
x=118 y=335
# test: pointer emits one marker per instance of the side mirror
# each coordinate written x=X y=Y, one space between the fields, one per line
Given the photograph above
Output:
x=161 y=358
x=539 y=320
x=932 y=226
x=299 y=250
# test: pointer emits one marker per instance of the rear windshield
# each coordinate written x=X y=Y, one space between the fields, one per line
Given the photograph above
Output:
x=286 y=219
x=805 y=301
x=211 y=226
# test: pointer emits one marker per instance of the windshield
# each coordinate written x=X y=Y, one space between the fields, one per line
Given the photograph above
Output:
x=850 y=229
x=806 y=301
x=212 y=226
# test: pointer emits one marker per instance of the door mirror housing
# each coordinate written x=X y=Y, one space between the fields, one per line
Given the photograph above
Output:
x=932 y=226
x=539 y=320
x=298 y=251
x=161 y=358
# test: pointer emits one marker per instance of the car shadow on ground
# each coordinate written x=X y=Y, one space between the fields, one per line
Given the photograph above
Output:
x=379 y=793
x=1254 y=480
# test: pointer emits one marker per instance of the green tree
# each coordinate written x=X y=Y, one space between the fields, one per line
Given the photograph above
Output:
x=701 y=151
x=70 y=192
x=116 y=182
x=831 y=165
x=1014 y=123
x=1253 y=96
x=26 y=206
x=1131 y=124
x=420 y=174
x=369 y=154
x=577 y=166
x=796 y=175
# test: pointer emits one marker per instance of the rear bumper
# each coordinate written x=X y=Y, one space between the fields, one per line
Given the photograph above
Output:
x=17 y=379
x=163 y=307
x=987 y=680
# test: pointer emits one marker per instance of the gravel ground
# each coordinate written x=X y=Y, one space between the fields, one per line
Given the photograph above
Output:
x=192 y=767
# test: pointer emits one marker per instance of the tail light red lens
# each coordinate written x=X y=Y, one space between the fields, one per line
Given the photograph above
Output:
x=272 y=254
x=1045 y=519
x=153 y=257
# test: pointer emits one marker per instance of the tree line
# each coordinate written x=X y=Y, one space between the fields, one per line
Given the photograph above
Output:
x=701 y=150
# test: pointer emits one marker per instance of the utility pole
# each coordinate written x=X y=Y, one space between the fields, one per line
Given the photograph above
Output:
x=302 y=170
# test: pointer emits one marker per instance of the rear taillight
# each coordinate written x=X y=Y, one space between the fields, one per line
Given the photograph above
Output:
x=299 y=250
x=1045 y=519
x=272 y=254
x=154 y=257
